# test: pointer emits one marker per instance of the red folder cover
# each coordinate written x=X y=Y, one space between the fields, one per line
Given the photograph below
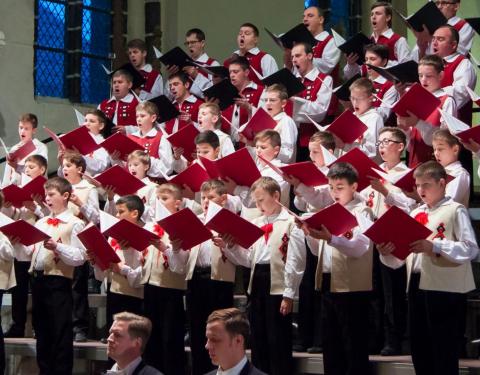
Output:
x=417 y=100
x=239 y=166
x=95 y=241
x=137 y=237
x=120 y=179
x=23 y=151
x=472 y=133
x=261 y=120
x=407 y=182
x=185 y=225
x=26 y=232
x=185 y=138
x=336 y=218
x=121 y=143
x=224 y=221
x=363 y=164
x=17 y=195
x=55 y=137
x=194 y=176
x=306 y=172
x=347 y=127
x=79 y=139
x=399 y=228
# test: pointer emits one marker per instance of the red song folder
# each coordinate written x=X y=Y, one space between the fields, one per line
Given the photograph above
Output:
x=121 y=143
x=80 y=139
x=23 y=151
x=194 y=176
x=417 y=100
x=122 y=182
x=261 y=120
x=17 y=195
x=185 y=138
x=336 y=218
x=95 y=241
x=347 y=127
x=26 y=232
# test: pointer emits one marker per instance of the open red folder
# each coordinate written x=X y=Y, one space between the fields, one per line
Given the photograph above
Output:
x=194 y=176
x=17 y=195
x=120 y=179
x=459 y=129
x=26 y=232
x=239 y=166
x=23 y=151
x=336 y=218
x=261 y=120
x=80 y=139
x=224 y=221
x=95 y=241
x=363 y=164
x=399 y=228
x=121 y=143
x=136 y=236
x=185 y=138
x=183 y=225
x=347 y=127
x=417 y=100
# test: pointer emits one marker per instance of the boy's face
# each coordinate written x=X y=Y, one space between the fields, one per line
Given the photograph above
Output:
x=71 y=171
x=316 y=153
x=375 y=60
x=301 y=60
x=195 y=46
x=207 y=151
x=246 y=38
x=429 y=190
x=212 y=195
x=33 y=169
x=389 y=148
x=178 y=89
x=265 y=149
x=137 y=57
x=442 y=42
x=124 y=213
x=312 y=20
x=55 y=201
x=444 y=153
x=137 y=168
x=206 y=119
x=26 y=131
x=238 y=76
x=265 y=202
x=273 y=104
x=145 y=120
x=379 y=19
x=121 y=86
x=169 y=201
x=93 y=124
x=429 y=78
x=341 y=191
x=361 y=100
x=448 y=8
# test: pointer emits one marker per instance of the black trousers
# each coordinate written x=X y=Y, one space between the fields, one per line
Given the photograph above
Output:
x=271 y=332
x=435 y=321
x=80 y=298
x=165 y=349
x=20 y=295
x=52 y=319
x=117 y=303
x=345 y=331
x=203 y=297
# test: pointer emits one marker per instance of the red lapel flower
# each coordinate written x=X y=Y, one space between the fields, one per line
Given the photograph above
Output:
x=422 y=218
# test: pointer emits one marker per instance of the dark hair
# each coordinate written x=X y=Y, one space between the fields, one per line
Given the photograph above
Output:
x=138 y=326
x=39 y=160
x=430 y=169
x=123 y=72
x=198 y=33
x=343 y=170
x=181 y=76
x=235 y=321
x=433 y=60
x=325 y=138
x=217 y=185
x=397 y=133
x=29 y=117
x=454 y=35
x=242 y=61
x=102 y=117
x=387 y=7
x=133 y=203
x=306 y=46
x=75 y=158
x=60 y=184
x=208 y=137
x=381 y=50
x=252 y=26
x=137 y=43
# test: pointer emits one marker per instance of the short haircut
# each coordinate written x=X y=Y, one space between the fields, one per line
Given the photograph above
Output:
x=307 y=47
x=132 y=202
x=325 y=138
x=321 y=12
x=364 y=84
x=29 y=117
x=138 y=44
x=183 y=77
x=397 y=133
x=171 y=189
x=430 y=169
x=446 y=136
x=380 y=50
x=199 y=34
x=209 y=137
x=214 y=110
x=280 y=89
x=216 y=185
x=241 y=61
x=235 y=322
x=388 y=9
x=76 y=159
x=99 y=114
x=141 y=155
x=454 y=35
x=268 y=184
x=269 y=135
x=38 y=160
x=433 y=60
x=252 y=26
x=149 y=107
x=138 y=326
x=60 y=184
x=343 y=171
x=123 y=73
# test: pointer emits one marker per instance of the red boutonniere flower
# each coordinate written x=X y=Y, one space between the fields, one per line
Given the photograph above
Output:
x=422 y=218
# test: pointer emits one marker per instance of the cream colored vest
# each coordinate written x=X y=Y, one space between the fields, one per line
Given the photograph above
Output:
x=82 y=191
x=437 y=272
x=119 y=283
x=7 y=271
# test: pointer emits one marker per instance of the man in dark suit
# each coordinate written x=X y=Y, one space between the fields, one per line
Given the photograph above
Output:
x=228 y=331
x=127 y=339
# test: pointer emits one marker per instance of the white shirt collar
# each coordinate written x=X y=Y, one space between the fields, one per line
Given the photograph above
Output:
x=251 y=85
x=283 y=215
x=279 y=116
x=253 y=51
x=451 y=57
x=322 y=36
x=446 y=200
x=65 y=216
x=235 y=370
x=380 y=80
x=203 y=58
x=127 y=370
x=455 y=165
x=151 y=133
x=311 y=75
x=452 y=21
x=387 y=33
x=126 y=99
x=147 y=68
x=190 y=99
x=367 y=113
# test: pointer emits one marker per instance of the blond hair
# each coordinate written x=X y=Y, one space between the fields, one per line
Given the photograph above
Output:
x=138 y=326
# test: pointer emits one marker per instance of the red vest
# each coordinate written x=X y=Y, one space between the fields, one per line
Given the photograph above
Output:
x=390 y=43
x=209 y=62
x=187 y=107
x=255 y=62
x=150 y=78
x=126 y=113
x=458 y=26
x=380 y=90
x=150 y=144
x=318 y=53
x=253 y=97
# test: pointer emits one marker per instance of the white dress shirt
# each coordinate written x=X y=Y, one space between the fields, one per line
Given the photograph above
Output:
x=235 y=370
x=129 y=370
x=288 y=131
x=99 y=160
x=157 y=88
x=402 y=51
x=330 y=56
x=466 y=34
x=459 y=188
x=268 y=63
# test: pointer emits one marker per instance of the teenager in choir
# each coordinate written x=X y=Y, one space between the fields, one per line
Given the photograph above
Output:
x=52 y=267
x=98 y=160
x=277 y=261
x=262 y=62
x=27 y=128
x=439 y=274
x=137 y=54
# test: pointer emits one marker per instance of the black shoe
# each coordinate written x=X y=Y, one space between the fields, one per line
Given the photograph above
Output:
x=80 y=337
x=299 y=348
x=14 y=331
x=315 y=350
x=104 y=340
x=389 y=350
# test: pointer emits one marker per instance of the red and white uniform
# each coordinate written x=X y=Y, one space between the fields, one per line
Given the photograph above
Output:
x=190 y=105
x=261 y=61
x=153 y=86
x=397 y=45
x=326 y=55
x=465 y=32
x=202 y=81
x=121 y=112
